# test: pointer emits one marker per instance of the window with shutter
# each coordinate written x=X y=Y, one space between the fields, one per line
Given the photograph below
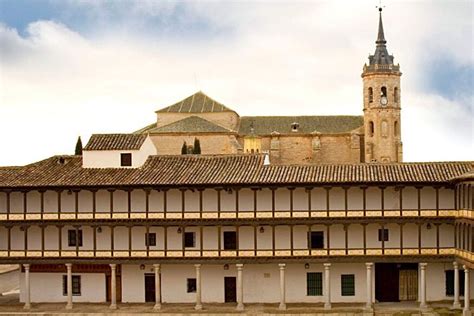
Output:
x=314 y=283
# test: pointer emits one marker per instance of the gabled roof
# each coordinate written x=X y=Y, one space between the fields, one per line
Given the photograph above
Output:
x=192 y=124
x=220 y=170
x=115 y=142
x=265 y=125
x=196 y=103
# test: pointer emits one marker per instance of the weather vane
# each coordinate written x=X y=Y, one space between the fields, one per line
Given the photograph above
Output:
x=380 y=6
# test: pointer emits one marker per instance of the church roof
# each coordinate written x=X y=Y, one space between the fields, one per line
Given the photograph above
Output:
x=115 y=142
x=265 y=125
x=192 y=124
x=222 y=170
x=196 y=103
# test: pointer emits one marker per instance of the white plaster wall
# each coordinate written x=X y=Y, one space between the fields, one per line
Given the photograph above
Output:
x=92 y=287
x=111 y=158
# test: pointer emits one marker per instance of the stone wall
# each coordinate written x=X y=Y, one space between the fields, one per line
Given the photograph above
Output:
x=211 y=144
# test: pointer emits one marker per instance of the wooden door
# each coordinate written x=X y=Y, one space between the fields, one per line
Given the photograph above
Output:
x=149 y=287
x=108 y=293
x=408 y=285
x=386 y=282
x=230 y=289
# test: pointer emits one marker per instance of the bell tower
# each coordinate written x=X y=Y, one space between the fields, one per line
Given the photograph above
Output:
x=382 y=104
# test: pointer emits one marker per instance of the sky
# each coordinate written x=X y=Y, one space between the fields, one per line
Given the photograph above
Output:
x=71 y=68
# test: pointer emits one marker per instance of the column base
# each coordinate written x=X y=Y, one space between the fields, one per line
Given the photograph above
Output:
x=157 y=306
x=368 y=309
x=327 y=305
x=69 y=306
x=466 y=312
x=113 y=306
x=282 y=306
x=240 y=307
x=424 y=308
x=456 y=305
x=198 y=307
x=27 y=306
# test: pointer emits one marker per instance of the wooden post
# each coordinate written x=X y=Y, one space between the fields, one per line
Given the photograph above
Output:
x=76 y=228
x=111 y=197
x=291 y=240
x=147 y=244
x=218 y=203
x=437 y=201
x=401 y=201
x=165 y=240
x=25 y=234
x=327 y=201
x=200 y=203
x=382 y=200
x=329 y=238
x=60 y=239
x=76 y=204
x=291 y=201
x=237 y=228
x=219 y=240
x=94 y=203
x=42 y=203
x=130 y=241
x=418 y=189
x=364 y=232
x=147 y=203
x=129 y=203
x=112 y=240
x=254 y=203
x=237 y=202
x=382 y=235
x=59 y=192
x=419 y=239
x=346 y=202
x=201 y=239
x=42 y=239
x=8 y=204
x=9 y=239
x=309 y=190
x=437 y=238
x=273 y=240
x=25 y=203
x=165 y=203
x=401 y=238
x=346 y=235
x=255 y=240
x=94 y=239
x=273 y=202
x=183 y=202
x=364 y=200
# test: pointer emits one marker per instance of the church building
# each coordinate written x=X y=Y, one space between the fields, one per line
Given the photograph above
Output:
x=206 y=206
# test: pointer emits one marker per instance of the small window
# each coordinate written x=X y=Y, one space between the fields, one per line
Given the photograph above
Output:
x=371 y=129
x=384 y=129
x=316 y=240
x=230 y=240
x=395 y=94
x=383 y=234
x=371 y=95
x=449 y=282
x=314 y=284
x=150 y=239
x=76 y=285
x=189 y=239
x=73 y=239
x=191 y=285
x=383 y=92
x=347 y=285
x=126 y=160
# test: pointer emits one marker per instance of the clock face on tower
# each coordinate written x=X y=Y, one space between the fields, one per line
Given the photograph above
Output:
x=383 y=101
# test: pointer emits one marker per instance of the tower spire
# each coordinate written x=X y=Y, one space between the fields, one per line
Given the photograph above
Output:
x=381 y=36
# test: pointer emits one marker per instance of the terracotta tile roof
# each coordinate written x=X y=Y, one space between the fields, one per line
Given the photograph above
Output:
x=115 y=142
x=192 y=124
x=240 y=170
x=265 y=125
x=196 y=103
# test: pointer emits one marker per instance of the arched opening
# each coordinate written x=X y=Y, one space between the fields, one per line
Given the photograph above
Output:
x=395 y=94
x=383 y=92
x=371 y=129
x=371 y=95
x=384 y=129
x=395 y=128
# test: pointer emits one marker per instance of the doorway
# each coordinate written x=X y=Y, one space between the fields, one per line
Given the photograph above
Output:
x=108 y=292
x=395 y=282
x=150 y=287
x=230 y=289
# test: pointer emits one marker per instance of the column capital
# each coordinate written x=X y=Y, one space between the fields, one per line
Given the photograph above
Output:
x=157 y=266
x=423 y=265
x=26 y=266
x=455 y=265
x=282 y=266
x=369 y=265
x=197 y=266
x=466 y=268
x=327 y=266
x=240 y=266
x=113 y=266
x=69 y=265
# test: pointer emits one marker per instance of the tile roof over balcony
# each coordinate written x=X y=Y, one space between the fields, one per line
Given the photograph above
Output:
x=192 y=124
x=224 y=170
x=115 y=142
x=196 y=103
x=265 y=125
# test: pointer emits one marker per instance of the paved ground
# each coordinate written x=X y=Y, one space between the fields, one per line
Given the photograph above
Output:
x=9 y=305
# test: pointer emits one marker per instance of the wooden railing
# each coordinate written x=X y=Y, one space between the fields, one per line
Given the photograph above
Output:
x=241 y=253
x=47 y=216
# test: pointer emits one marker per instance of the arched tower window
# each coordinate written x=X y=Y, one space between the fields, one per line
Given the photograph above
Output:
x=384 y=129
x=395 y=94
x=383 y=92
x=371 y=129
x=395 y=128
x=371 y=95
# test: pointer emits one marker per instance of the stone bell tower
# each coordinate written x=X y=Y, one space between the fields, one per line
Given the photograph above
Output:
x=382 y=104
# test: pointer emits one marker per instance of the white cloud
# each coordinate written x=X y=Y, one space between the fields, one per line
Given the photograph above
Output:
x=278 y=59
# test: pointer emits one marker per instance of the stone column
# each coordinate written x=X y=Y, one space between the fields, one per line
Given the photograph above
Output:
x=157 y=287
x=69 y=285
x=240 y=287
x=423 y=304
x=113 y=286
x=456 y=303
x=467 y=293
x=327 y=286
x=27 y=286
x=368 y=304
x=198 y=287
x=282 y=287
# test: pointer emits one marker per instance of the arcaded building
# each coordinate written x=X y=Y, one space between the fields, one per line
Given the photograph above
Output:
x=304 y=209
